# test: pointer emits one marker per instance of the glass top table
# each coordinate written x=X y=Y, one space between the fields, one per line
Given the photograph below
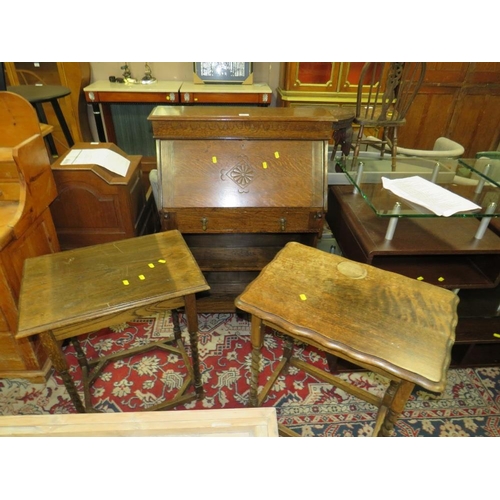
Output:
x=477 y=180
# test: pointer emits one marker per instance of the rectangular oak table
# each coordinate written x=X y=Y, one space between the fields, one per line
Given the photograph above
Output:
x=79 y=291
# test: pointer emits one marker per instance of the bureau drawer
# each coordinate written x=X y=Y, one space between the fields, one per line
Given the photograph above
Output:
x=248 y=220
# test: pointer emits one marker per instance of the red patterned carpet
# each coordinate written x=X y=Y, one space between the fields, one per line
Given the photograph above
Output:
x=470 y=406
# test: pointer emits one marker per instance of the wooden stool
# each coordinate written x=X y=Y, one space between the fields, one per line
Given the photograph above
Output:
x=37 y=95
x=398 y=327
x=80 y=291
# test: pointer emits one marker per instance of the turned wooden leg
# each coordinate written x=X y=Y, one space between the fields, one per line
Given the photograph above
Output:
x=192 y=324
x=84 y=365
x=393 y=404
x=55 y=354
x=256 y=338
x=288 y=351
x=176 y=324
x=80 y=356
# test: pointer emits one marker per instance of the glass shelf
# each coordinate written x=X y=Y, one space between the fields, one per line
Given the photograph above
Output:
x=477 y=180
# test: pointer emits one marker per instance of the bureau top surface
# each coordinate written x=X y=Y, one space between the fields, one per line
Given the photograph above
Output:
x=237 y=122
x=249 y=114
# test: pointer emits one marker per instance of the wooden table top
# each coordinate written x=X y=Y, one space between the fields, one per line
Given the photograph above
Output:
x=69 y=287
x=379 y=319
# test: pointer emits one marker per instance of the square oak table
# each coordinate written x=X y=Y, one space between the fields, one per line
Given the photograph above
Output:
x=398 y=327
x=79 y=291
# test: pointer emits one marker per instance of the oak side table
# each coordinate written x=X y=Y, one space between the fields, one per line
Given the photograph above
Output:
x=398 y=327
x=79 y=291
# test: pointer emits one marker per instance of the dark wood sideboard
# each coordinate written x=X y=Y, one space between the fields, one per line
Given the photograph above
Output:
x=442 y=251
x=239 y=183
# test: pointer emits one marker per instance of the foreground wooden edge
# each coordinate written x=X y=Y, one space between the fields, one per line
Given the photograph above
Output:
x=244 y=422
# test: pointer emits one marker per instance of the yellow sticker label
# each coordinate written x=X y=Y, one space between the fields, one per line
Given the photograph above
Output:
x=264 y=164
x=142 y=277
x=151 y=265
x=125 y=282
x=276 y=154
x=440 y=278
x=420 y=278
x=214 y=159
x=303 y=296
x=497 y=335
x=162 y=261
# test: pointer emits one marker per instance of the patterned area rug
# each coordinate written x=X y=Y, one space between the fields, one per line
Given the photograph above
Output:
x=470 y=405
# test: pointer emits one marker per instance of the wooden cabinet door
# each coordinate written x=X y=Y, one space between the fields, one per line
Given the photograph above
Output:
x=333 y=77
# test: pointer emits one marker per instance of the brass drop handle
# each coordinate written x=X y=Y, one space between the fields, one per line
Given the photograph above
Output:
x=204 y=223
x=283 y=224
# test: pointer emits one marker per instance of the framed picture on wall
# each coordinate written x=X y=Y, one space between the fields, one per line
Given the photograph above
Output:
x=223 y=72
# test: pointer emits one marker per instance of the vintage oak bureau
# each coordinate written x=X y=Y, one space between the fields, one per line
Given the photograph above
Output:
x=239 y=183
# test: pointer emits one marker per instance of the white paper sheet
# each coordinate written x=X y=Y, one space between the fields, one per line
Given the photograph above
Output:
x=103 y=157
x=429 y=195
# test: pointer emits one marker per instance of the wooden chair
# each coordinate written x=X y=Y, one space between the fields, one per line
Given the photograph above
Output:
x=443 y=148
x=398 y=327
x=385 y=94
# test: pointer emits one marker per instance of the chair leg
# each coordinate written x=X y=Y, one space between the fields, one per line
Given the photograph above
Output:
x=394 y=147
x=357 y=145
x=384 y=142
